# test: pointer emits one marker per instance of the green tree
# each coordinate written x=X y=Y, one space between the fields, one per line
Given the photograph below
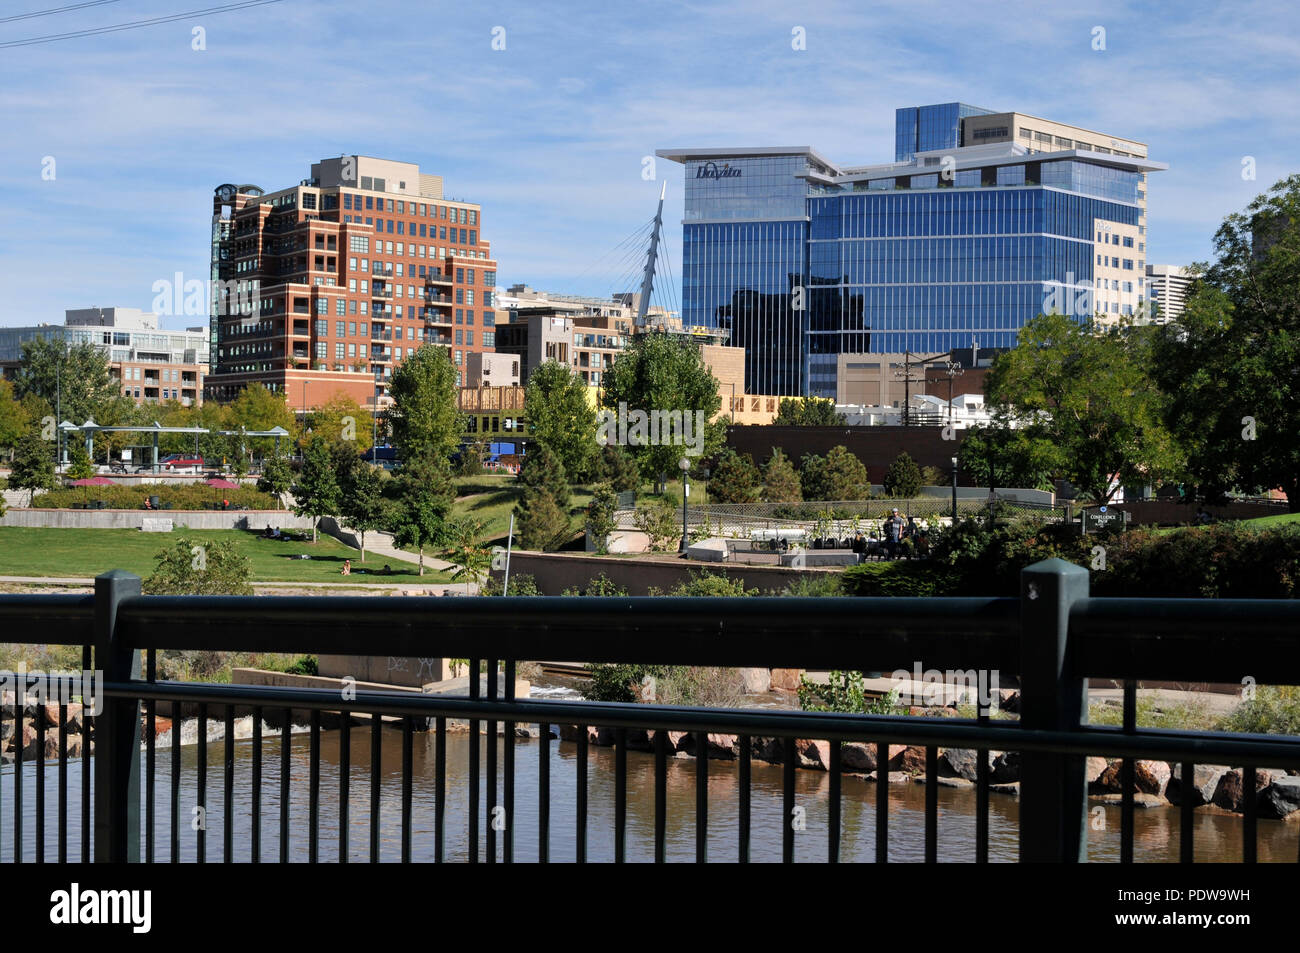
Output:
x=1231 y=361
x=425 y=495
x=998 y=454
x=254 y=408
x=660 y=372
x=195 y=567
x=543 y=470
x=425 y=420
x=660 y=523
x=14 y=419
x=364 y=507
x=600 y=516
x=808 y=412
x=472 y=455
x=560 y=416
x=75 y=378
x=471 y=557
x=619 y=469
x=33 y=465
x=276 y=476
x=780 y=480
x=903 y=478
x=317 y=493
x=80 y=466
x=340 y=421
x=837 y=476
x=735 y=478
x=540 y=521
x=1087 y=391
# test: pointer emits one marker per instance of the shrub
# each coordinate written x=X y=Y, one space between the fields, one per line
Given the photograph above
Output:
x=185 y=496
x=659 y=522
x=601 y=585
x=843 y=692
x=1275 y=710
x=903 y=478
x=521 y=584
x=897 y=579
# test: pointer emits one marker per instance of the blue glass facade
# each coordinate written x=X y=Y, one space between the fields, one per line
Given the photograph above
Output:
x=925 y=128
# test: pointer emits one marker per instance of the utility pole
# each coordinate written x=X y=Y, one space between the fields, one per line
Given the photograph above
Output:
x=907 y=380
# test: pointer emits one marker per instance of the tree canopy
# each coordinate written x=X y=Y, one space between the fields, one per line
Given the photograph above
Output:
x=560 y=416
x=426 y=421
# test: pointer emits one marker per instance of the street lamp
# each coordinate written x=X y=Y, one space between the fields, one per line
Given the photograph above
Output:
x=954 y=491
x=685 y=466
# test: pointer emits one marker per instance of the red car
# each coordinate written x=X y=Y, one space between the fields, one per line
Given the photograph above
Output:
x=176 y=461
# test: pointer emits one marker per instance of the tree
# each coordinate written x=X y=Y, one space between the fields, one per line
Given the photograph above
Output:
x=600 y=516
x=424 y=500
x=837 y=476
x=543 y=470
x=276 y=476
x=1087 y=391
x=257 y=407
x=540 y=521
x=14 y=419
x=364 y=507
x=340 y=421
x=33 y=466
x=425 y=420
x=1231 y=362
x=903 y=478
x=780 y=480
x=808 y=412
x=472 y=455
x=80 y=466
x=196 y=567
x=560 y=416
x=619 y=470
x=659 y=372
x=74 y=378
x=1001 y=455
x=735 y=478
x=317 y=493
x=471 y=557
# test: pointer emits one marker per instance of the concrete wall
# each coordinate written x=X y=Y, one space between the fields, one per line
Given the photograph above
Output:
x=134 y=519
x=555 y=572
x=1169 y=513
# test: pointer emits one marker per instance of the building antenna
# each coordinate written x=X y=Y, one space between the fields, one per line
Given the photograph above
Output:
x=647 y=280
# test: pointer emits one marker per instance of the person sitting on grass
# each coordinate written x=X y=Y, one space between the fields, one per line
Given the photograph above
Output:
x=347 y=567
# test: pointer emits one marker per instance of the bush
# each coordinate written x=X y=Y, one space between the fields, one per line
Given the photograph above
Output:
x=903 y=478
x=659 y=522
x=706 y=585
x=601 y=585
x=1275 y=710
x=843 y=692
x=185 y=496
x=897 y=579
x=613 y=683
x=521 y=584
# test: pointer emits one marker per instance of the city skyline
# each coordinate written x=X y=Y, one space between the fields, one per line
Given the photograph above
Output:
x=562 y=177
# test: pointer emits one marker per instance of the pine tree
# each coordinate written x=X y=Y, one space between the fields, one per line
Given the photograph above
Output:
x=424 y=500
x=735 y=479
x=542 y=469
x=780 y=481
x=80 y=466
x=600 y=516
x=540 y=521
x=619 y=469
x=903 y=478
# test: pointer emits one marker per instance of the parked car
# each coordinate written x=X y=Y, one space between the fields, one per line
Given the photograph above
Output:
x=177 y=461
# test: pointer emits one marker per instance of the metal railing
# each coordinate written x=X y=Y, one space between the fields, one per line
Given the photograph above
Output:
x=1054 y=637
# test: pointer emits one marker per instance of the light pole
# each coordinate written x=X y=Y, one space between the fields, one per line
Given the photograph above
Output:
x=954 y=491
x=685 y=466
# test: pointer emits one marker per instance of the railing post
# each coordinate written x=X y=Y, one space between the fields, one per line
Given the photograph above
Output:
x=117 y=729
x=1053 y=793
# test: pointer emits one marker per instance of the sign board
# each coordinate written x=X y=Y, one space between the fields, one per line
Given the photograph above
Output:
x=1101 y=518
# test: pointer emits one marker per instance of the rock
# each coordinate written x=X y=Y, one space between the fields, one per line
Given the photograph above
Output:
x=785 y=679
x=813 y=754
x=1006 y=768
x=720 y=747
x=771 y=750
x=960 y=783
x=1281 y=798
x=961 y=763
x=1140 y=799
x=1009 y=700
x=6 y=729
x=911 y=761
x=1204 y=782
x=52 y=716
x=26 y=742
x=894 y=777
x=1149 y=777
x=856 y=756
x=757 y=680
x=1093 y=769
x=1230 y=794
x=575 y=732
x=1010 y=787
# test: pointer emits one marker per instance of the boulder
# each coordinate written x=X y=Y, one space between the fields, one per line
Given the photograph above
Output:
x=911 y=761
x=1009 y=787
x=893 y=777
x=720 y=747
x=962 y=763
x=960 y=783
x=1009 y=700
x=1230 y=794
x=26 y=743
x=1149 y=777
x=856 y=756
x=1093 y=769
x=1006 y=768
x=1204 y=782
x=1140 y=799
x=757 y=680
x=813 y=754
x=785 y=679
x=1281 y=798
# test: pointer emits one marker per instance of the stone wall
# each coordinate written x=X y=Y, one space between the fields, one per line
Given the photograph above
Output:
x=134 y=519
x=555 y=572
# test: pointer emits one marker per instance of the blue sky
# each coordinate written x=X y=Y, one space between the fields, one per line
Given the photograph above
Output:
x=549 y=134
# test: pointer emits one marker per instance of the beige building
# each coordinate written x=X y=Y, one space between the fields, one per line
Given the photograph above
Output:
x=483 y=369
x=1167 y=287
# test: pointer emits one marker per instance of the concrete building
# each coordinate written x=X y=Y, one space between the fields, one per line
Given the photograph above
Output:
x=491 y=370
x=328 y=285
x=1167 y=287
x=888 y=380
x=149 y=363
x=983 y=221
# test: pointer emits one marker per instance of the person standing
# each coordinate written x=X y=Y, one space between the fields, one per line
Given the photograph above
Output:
x=893 y=533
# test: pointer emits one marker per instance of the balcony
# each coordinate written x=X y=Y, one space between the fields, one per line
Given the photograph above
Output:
x=436 y=317
x=381 y=335
x=377 y=292
x=382 y=271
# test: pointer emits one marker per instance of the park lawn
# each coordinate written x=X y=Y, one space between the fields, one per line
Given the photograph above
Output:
x=44 y=552
x=492 y=498
x=1270 y=522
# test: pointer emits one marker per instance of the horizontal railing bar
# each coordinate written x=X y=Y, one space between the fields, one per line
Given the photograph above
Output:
x=1261 y=750
x=770 y=631
x=1187 y=639
x=47 y=619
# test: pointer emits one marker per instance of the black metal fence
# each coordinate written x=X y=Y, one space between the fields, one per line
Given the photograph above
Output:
x=1053 y=638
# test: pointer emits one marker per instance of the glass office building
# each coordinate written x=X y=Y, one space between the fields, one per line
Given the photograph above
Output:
x=803 y=260
x=930 y=128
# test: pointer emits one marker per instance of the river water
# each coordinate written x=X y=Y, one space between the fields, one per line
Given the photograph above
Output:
x=1218 y=837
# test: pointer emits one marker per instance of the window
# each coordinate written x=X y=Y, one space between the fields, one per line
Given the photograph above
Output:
x=473 y=216
x=490 y=278
x=469 y=338
x=460 y=276
x=390 y=206
x=460 y=295
x=462 y=236
x=347 y=199
x=473 y=237
x=359 y=243
x=352 y=350
x=489 y=339
x=460 y=336
x=320 y=350
x=489 y=319
x=469 y=295
x=338 y=351
x=340 y=306
x=401 y=208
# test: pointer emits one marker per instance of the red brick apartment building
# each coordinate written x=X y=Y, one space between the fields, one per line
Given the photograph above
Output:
x=328 y=285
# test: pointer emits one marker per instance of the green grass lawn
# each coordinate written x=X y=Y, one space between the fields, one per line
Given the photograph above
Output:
x=492 y=498
x=1266 y=522
x=88 y=552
